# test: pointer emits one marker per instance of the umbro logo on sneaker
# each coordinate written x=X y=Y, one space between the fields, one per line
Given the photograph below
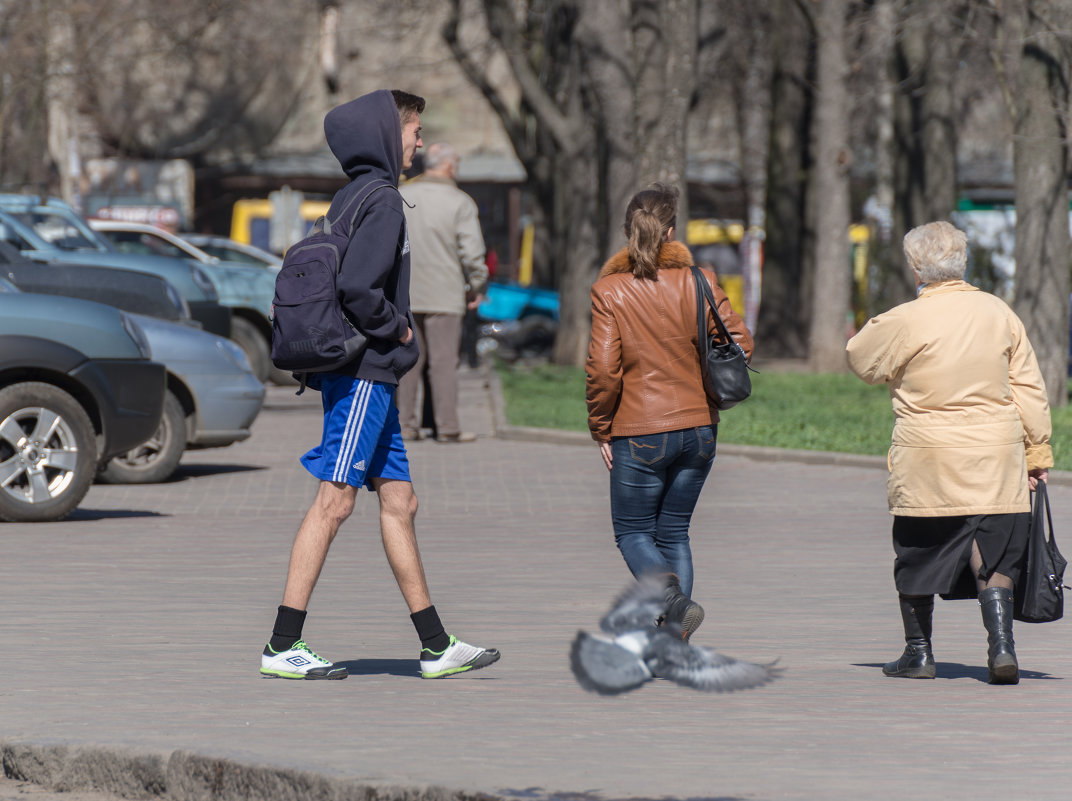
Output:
x=298 y=662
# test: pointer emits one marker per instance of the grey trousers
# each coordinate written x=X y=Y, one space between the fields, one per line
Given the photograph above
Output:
x=439 y=337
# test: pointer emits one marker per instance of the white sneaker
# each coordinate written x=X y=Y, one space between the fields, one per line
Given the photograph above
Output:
x=457 y=657
x=298 y=662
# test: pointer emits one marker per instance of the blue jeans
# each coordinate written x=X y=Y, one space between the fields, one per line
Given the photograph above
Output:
x=655 y=482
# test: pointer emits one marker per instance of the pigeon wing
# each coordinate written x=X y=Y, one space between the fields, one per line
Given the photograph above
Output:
x=704 y=669
x=637 y=608
x=603 y=667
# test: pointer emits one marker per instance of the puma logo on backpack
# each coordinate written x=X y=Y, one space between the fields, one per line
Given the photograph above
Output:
x=311 y=332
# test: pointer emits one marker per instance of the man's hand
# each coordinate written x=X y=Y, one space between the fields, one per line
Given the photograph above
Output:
x=608 y=458
x=409 y=335
x=1035 y=476
x=476 y=301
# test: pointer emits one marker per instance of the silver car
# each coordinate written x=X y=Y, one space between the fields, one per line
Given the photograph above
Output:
x=212 y=400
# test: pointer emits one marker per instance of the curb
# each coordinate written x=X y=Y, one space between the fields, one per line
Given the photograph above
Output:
x=759 y=453
x=184 y=776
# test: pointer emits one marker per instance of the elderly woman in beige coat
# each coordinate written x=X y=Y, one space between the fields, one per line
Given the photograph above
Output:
x=971 y=435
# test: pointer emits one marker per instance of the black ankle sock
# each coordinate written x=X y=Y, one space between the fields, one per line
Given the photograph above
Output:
x=288 y=628
x=430 y=630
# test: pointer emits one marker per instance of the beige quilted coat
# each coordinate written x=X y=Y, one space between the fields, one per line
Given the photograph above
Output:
x=968 y=397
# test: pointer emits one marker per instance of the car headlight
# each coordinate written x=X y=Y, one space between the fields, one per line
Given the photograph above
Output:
x=137 y=335
x=204 y=282
x=236 y=354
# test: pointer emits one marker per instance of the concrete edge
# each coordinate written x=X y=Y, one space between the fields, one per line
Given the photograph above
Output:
x=504 y=430
x=185 y=776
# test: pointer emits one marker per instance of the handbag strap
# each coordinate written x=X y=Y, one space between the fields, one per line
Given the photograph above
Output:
x=703 y=291
x=1042 y=502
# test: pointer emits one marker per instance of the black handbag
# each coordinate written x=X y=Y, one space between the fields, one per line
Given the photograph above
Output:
x=1039 y=597
x=722 y=362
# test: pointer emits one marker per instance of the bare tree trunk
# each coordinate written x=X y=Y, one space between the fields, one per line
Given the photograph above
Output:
x=665 y=46
x=754 y=122
x=832 y=289
x=782 y=324
x=925 y=173
x=604 y=32
x=62 y=109
x=1040 y=157
x=884 y=251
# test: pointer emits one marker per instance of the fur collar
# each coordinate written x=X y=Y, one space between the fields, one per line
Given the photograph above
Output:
x=672 y=256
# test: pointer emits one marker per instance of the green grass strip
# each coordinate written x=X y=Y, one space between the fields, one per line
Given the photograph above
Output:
x=805 y=411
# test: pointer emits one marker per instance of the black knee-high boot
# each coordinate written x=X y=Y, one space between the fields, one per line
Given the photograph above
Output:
x=996 y=605
x=917 y=661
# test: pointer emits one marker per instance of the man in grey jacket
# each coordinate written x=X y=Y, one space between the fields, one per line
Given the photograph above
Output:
x=448 y=274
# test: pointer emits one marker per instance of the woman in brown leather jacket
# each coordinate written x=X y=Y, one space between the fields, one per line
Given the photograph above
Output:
x=647 y=407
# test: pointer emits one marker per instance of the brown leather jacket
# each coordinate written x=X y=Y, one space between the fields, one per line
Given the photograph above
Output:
x=643 y=368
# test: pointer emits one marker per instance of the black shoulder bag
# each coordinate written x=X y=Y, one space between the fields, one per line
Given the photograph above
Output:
x=722 y=362
x=1039 y=596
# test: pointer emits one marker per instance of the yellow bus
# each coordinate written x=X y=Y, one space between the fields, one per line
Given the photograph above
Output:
x=251 y=219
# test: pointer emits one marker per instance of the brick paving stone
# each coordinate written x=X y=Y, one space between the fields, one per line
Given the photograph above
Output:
x=138 y=623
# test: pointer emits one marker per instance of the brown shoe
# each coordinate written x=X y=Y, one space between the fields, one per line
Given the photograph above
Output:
x=410 y=434
x=461 y=436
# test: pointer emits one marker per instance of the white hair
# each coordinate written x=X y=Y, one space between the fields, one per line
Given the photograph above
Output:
x=937 y=251
x=439 y=155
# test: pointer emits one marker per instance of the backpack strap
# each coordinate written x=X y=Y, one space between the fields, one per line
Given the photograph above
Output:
x=328 y=224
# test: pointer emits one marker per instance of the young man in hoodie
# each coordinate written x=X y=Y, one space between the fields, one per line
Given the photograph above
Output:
x=374 y=138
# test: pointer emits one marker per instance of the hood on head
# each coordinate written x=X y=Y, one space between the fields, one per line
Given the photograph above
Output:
x=366 y=136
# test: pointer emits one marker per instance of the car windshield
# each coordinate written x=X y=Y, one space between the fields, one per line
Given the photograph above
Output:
x=57 y=230
x=231 y=254
x=12 y=238
x=144 y=244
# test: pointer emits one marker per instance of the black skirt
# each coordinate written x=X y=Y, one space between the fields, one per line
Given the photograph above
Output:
x=933 y=552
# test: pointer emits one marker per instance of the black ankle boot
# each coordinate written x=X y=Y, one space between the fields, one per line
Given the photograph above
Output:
x=917 y=661
x=681 y=611
x=996 y=605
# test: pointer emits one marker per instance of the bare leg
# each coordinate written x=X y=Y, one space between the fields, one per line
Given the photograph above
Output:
x=996 y=579
x=398 y=507
x=333 y=504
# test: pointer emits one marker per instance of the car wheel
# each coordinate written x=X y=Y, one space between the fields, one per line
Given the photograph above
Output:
x=156 y=458
x=48 y=452
x=250 y=339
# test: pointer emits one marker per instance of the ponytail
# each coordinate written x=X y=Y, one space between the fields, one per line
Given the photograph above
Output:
x=650 y=214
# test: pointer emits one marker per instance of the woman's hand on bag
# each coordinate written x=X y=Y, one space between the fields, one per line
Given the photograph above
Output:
x=1035 y=476
x=608 y=458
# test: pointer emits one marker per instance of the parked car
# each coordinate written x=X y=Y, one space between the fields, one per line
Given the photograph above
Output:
x=248 y=291
x=517 y=321
x=212 y=398
x=229 y=250
x=130 y=291
x=49 y=231
x=76 y=388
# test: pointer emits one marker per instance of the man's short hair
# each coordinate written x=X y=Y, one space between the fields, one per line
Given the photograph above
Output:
x=440 y=154
x=408 y=105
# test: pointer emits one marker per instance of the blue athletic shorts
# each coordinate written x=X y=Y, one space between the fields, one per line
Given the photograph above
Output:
x=362 y=438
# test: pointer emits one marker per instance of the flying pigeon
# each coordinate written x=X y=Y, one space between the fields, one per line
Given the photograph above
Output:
x=634 y=649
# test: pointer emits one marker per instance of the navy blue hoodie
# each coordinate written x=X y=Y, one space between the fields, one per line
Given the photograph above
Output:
x=366 y=137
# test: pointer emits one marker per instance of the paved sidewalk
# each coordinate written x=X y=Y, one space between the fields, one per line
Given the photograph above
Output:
x=134 y=629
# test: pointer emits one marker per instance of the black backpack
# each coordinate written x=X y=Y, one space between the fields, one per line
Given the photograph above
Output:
x=311 y=332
